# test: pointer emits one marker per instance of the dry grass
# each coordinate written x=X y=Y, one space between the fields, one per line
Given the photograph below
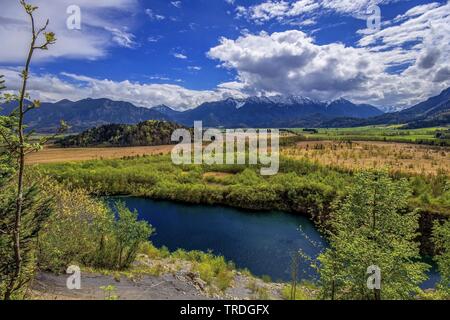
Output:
x=368 y=155
x=217 y=174
x=409 y=158
x=52 y=154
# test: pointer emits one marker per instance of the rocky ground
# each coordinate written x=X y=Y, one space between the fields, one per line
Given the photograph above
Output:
x=175 y=281
x=53 y=287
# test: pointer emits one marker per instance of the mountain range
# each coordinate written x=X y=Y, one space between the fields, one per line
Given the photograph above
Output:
x=278 y=111
x=433 y=112
x=84 y=114
x=257 y=112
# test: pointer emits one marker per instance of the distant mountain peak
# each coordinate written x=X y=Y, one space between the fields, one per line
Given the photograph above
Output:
x=277 y=99
x=292 y=99
x=165 y=110
x=340 y=100
x=162 y=107
x=64 y=101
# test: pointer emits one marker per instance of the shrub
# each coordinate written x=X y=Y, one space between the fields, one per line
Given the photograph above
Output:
x=441 y=238
x=86 y=231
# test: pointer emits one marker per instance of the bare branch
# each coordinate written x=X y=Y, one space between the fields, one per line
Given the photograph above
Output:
x=2 y=82
x=43 y=28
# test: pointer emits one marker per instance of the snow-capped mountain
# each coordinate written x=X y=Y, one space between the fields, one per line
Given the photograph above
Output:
x=273 y=111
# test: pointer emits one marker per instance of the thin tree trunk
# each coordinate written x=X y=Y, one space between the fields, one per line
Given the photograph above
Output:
x=333 y=290
x=19 y=202
x=377 y=294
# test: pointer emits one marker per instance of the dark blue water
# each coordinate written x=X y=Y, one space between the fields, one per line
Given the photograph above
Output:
x=262 y=242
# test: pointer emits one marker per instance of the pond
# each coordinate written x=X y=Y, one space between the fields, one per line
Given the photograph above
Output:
x=262 y=242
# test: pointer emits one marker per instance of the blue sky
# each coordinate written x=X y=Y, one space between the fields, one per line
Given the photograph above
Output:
x=183 y=53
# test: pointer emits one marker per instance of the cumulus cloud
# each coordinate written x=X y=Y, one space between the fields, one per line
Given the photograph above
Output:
x=290 y=62
x=277 y=10
x=75 y=87
x=45 y=87
x=98 y=32
x=420 y=40
x=429 y=58
x=405 y=62
x=442 y=75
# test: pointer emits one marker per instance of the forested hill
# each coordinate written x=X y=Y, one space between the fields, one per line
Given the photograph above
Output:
x=147 y=133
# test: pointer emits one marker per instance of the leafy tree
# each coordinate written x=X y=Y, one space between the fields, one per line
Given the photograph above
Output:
x=85 y=231
x=77 y=232
x=441 y=239
x=6 y=159
x=16 y=144
x=372 y=227
x=130 y=234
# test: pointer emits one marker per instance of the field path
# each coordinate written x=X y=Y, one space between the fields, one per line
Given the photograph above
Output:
x=52 y=154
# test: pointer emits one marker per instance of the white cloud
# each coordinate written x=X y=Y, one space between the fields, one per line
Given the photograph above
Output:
x=356 y=8
x=46 y=87
x=423 y=40
x=417 y=11
x=75 y=87
x=194 y=68
x=283 y=9
x=277 y=10
x=154 y=38
x=158 y=77
x=176 y=4
x=153 y=15
x=404 y=63
x=180 y=56
x=122 y=38
x=99 y=32
x=291 y=62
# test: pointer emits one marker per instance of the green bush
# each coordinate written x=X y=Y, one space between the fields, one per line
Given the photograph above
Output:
x=212 y=269
x=85 y=231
